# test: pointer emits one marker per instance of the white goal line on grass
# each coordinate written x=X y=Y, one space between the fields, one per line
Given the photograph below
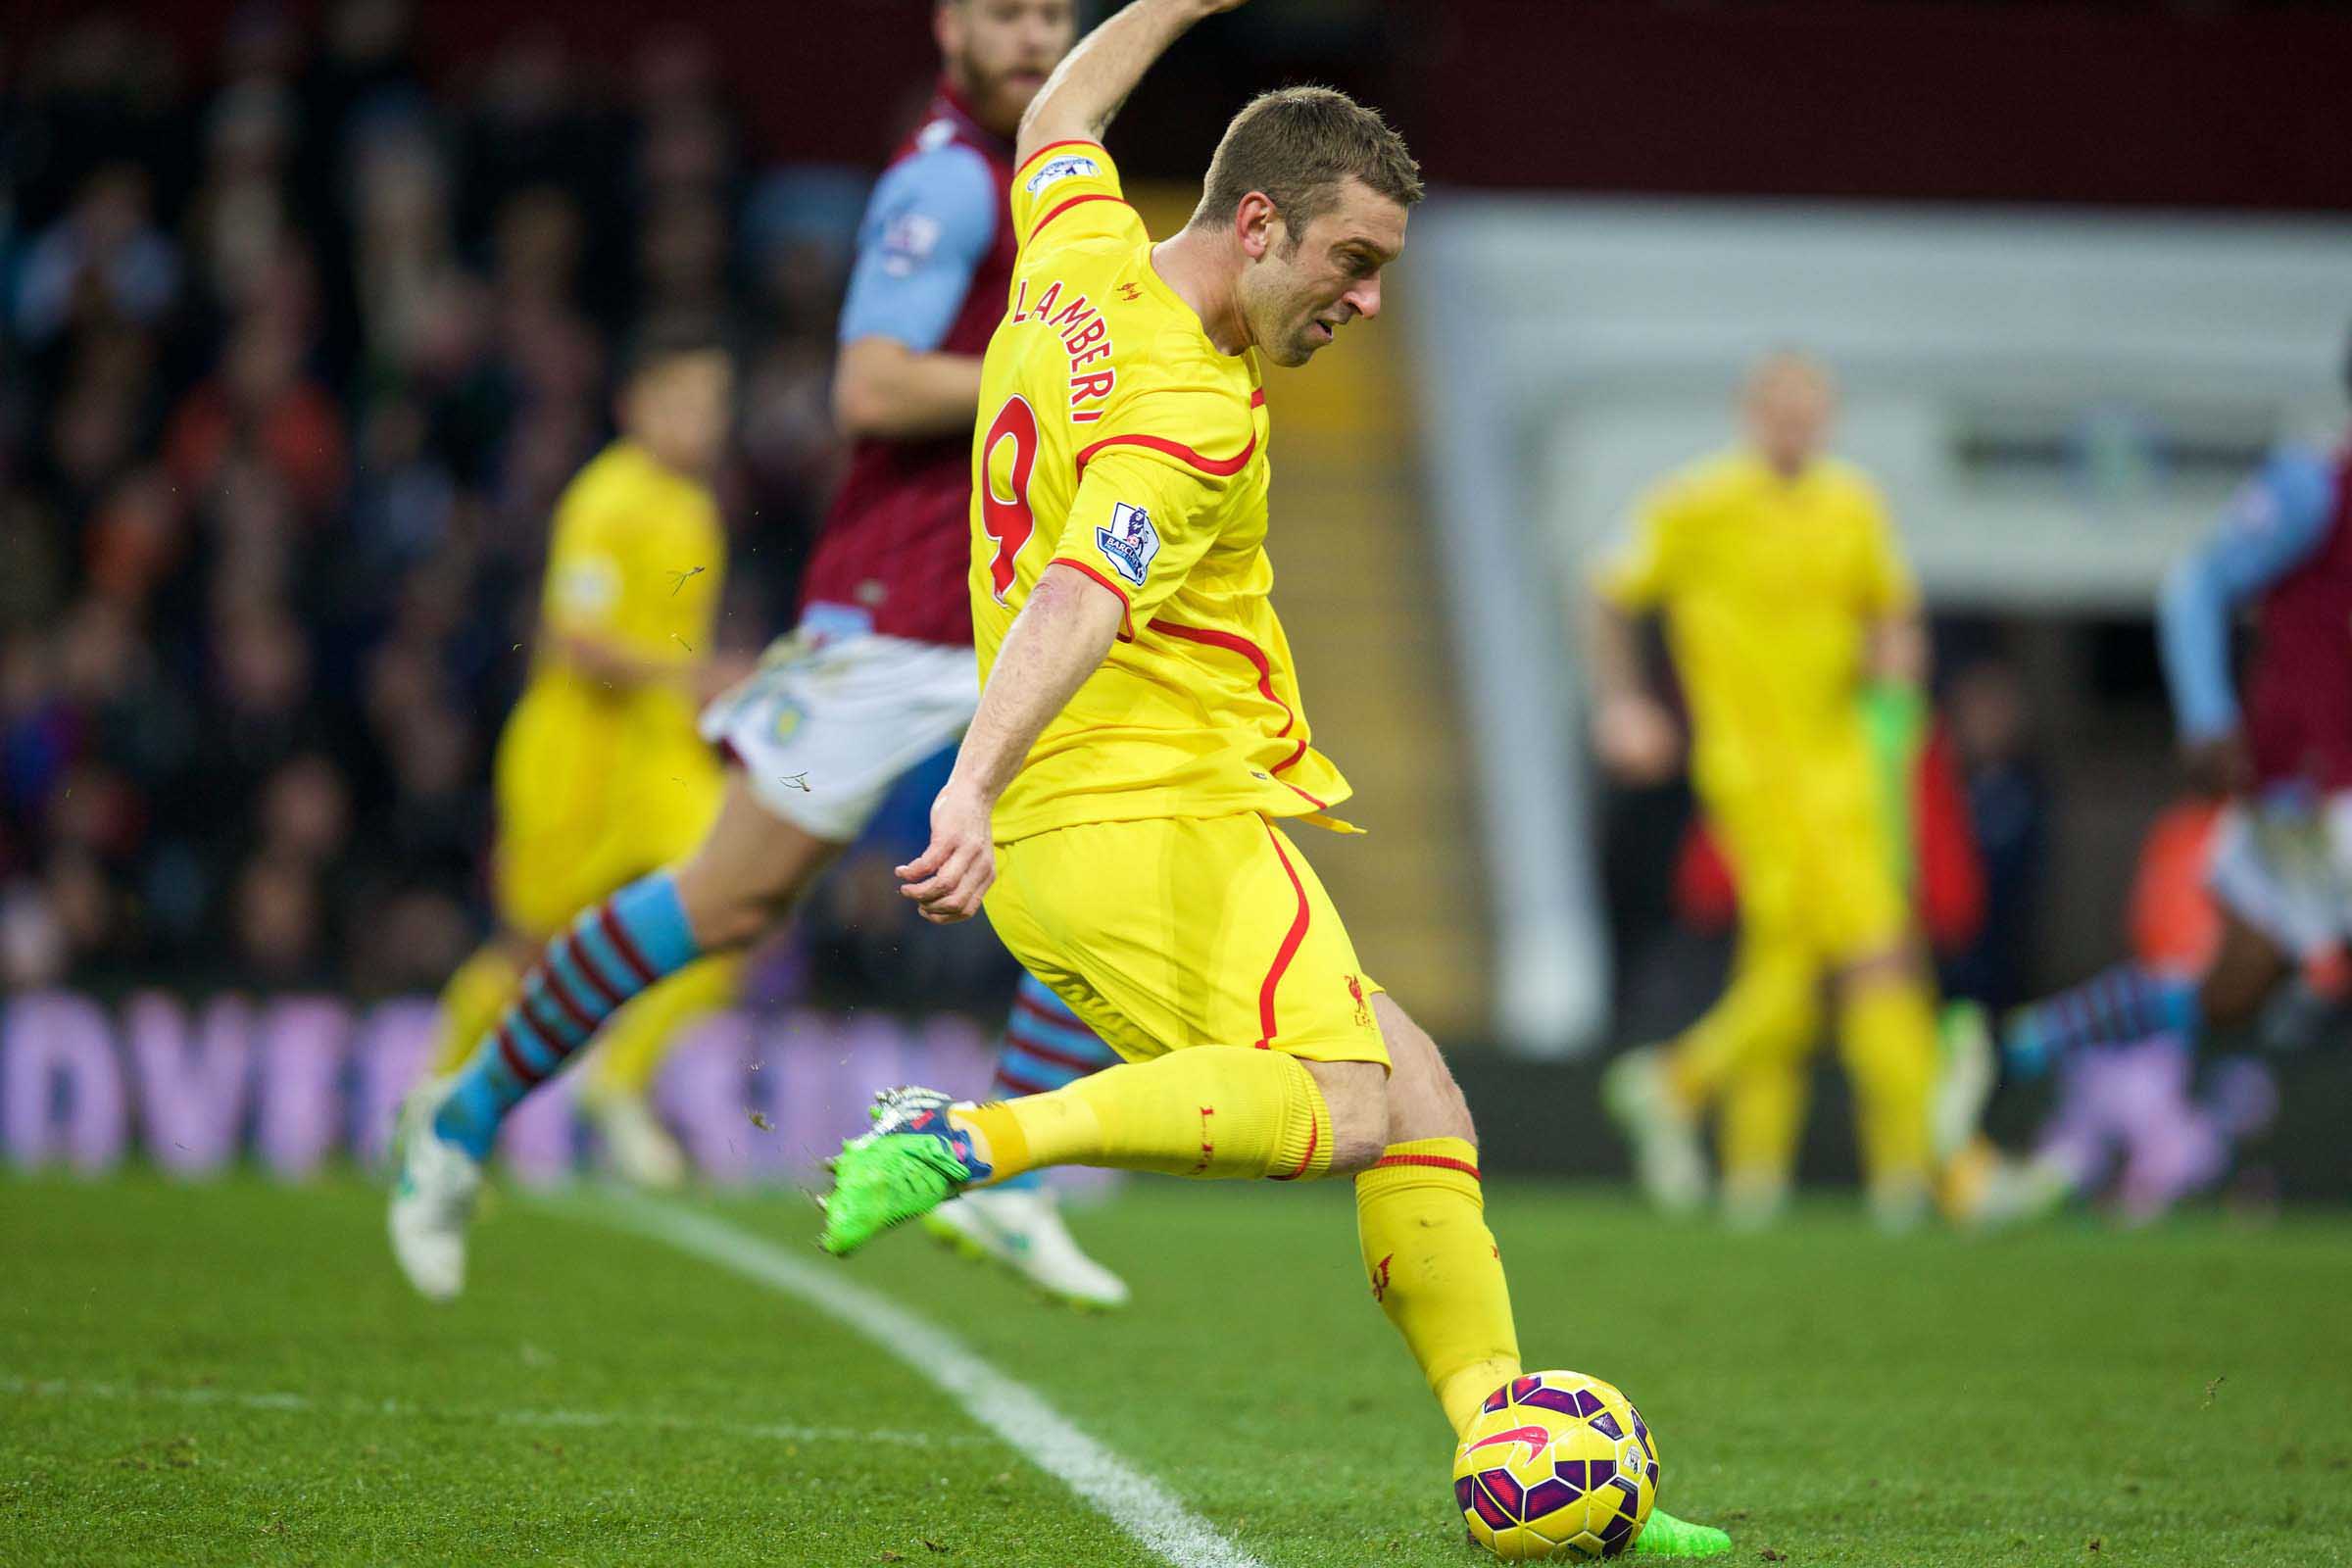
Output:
x=71 y=1390
x=1029 y=1426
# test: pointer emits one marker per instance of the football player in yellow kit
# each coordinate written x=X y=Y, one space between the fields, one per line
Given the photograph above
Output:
x=1140 y=734
x=1794 y=627
x=600 y=774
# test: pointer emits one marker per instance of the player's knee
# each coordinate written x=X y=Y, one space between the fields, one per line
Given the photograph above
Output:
x=1423 y=1099
x=724 y=912
x=1431 y=1107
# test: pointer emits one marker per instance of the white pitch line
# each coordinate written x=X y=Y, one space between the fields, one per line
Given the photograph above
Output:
x=69 y=1391
x=1014 y=1411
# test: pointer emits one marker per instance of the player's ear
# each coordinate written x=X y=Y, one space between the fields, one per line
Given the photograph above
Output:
x=1256 y=225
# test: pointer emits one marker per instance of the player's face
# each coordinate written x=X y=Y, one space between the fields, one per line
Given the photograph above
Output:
x=1296 y=298
x=1000 y=52
x=678 y=409
x=1790 y=407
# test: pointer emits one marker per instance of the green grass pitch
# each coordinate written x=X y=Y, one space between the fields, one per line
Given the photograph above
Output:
x=235 y=1374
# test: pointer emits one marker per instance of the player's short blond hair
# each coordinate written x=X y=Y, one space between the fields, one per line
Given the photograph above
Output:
x=1298 y=146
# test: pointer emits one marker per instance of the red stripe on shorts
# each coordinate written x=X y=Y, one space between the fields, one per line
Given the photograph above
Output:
x=1290 y=945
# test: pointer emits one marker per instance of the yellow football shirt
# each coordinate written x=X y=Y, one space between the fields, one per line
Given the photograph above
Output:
x=1114 y=437
x=637 y=560
x=1768 y=586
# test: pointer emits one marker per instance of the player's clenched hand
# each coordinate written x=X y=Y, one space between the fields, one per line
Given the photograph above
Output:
x=1638 y=739
x=948 y=880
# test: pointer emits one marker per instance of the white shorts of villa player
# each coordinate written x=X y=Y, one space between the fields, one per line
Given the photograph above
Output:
x=833 y=715
x=2282 y=863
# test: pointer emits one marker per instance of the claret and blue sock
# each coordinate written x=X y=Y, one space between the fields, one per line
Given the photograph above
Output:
x=613 y=951
x=1047 y=1047
x=2115 y=1008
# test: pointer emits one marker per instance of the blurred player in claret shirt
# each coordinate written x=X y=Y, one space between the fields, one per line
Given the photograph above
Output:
x=1139 y=737
x=877 y=676
x=600 y=776
x=1796 y=631
x=2282 y=756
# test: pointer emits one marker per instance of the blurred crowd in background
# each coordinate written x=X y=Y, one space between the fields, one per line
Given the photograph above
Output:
x=300 y=339
x=302 y=343
x=296 y=365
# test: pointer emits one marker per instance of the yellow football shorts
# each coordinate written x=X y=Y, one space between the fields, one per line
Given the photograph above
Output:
x=1187 y=931
x=1816 y=869
x=576 y=821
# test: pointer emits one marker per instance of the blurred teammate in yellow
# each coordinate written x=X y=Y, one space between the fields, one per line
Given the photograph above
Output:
x=600 y=775
x=1794 y=628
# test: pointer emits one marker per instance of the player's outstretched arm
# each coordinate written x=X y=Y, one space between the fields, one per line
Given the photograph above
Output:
x=1636 y=736
x=884 y=389
x=1058 y=639
x=1078 y=101
x=614 y=664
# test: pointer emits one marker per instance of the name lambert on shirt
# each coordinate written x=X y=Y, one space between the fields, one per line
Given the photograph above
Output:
x=1085 y=338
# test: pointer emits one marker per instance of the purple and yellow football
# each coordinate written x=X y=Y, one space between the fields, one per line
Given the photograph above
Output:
x=1557 y=1465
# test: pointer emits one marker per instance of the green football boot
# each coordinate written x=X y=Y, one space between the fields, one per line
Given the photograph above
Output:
x=1665 y=1536
x=914 y=1160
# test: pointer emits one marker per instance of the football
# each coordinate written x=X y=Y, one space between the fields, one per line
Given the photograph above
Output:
x=1557 y=1465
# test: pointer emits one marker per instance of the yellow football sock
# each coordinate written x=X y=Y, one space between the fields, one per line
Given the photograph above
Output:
x=1888 y=1038
x=1436 y=1270
x=470 y=1006
x=1205 y=1111
x=1771 y=1008
x=642 y=1033
x=1759 y=1117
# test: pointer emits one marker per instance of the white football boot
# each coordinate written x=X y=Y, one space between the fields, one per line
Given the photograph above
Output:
x=1899 y=1202
x=432 y=1198
x=1668 y=1156
x=1754 y=1200
x=1021 y=1229
x=642 y=1150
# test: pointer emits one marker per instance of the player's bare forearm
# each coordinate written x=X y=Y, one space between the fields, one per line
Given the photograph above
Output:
x=1899 y=651
x=1077 y=102
x=1612 y=651
x=1057 y=640
x=1638 y=739
x=884 y=388
x=618 y=665
x=1060 y=638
